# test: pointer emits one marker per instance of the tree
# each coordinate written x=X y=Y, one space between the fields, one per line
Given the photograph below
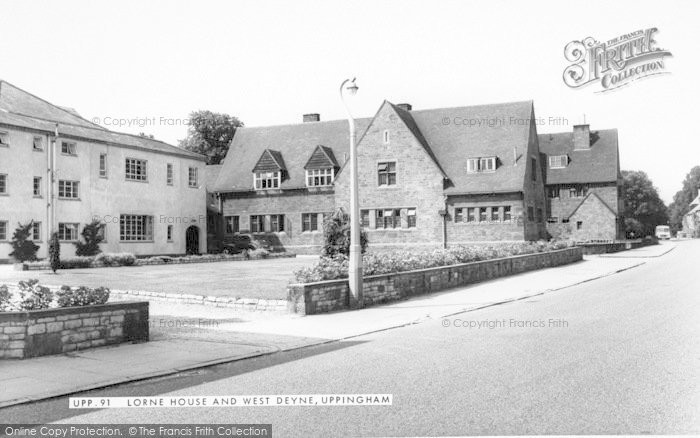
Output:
x=92 y=234
x=644 y=209
x=336 y=234
x=55 y=252
x=23 y=247
x=682 y=199
x=210 y=134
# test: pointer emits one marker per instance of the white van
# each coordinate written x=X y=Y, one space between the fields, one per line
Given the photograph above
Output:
x=663 y=232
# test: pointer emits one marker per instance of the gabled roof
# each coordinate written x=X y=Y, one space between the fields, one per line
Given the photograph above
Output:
x=269 y=161
x=322 y=158
x=600 y=163
x=211 y=173
x=495 y=130
x=410 y=123
x=24 y=110
x=296 y=143
x=593 y=196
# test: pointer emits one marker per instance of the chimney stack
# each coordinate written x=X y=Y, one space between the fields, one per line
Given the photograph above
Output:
x=405 y=106
x=313 y=117
x=582 y=137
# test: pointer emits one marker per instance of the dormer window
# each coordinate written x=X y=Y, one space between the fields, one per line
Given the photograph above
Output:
x=558 y=161
x=481 y=164
x=319 y=177
x=267 y=180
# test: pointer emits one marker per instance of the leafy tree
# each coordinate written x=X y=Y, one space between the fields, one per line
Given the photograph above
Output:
x=644 y=209
x=681 y=200
x=336 y=234
x=55 y=252
x=92 y=234
x=210 y=134
x=23 y=247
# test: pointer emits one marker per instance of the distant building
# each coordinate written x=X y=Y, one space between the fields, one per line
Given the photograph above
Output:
x=426 y=178
x=691 y=220
x=150 y=195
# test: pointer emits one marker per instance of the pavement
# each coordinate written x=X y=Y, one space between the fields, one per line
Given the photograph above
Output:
x=186 y=337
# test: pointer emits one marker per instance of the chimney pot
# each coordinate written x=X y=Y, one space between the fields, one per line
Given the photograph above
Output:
x=582 y=137
x=313 y=117
x=405 y=106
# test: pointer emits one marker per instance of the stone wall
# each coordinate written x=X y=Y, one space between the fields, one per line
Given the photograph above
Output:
x=328 y=296
x=54 y=331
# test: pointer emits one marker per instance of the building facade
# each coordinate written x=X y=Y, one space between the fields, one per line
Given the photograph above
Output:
x=62 y=171
x=691 y=220
x=429 y=178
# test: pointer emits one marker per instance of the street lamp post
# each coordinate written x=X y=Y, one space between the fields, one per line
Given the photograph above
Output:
x=355 y=268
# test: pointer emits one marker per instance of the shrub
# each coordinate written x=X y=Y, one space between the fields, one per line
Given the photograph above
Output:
x=336 y=234
x=334 y=267
x=23 y=249
x=92 y=234
x=55 y=252
x=5 y=297
x=259 y=253
x=77 y=262
x=116 y=259
x=33 y=296
x=81 y=296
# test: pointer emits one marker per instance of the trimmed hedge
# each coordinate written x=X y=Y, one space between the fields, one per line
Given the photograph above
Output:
x=332 y=268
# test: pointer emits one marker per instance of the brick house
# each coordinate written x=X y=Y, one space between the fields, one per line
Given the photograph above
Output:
x=433 y=177
x=148 y=194
x=583 y=184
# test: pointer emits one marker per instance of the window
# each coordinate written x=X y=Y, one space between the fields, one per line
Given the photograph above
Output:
x=36 y=231
x=169 y=174
x=232 y=224
x=388 y=218
x=484 y=164
x=540 y=216
x=459 y=214
x=68 y=232
x=277 y=223
x=319 y=177
x=387 y=173
x=170 y=233
x=506 y=214
x=136 y=170
x=37 y=187
x=530 y=214
x=471 y=214
x=192 y=177
x=38 y=143
x=494 y=214
x=364 y=218
x=578 y=191
x=68 y=189
x=385 y=136
x=565 y=221
x=103 y=165
x=533 y=164
x=411 y=217
x=309 y=222
x=558 y=161
x=483 y=214
x=4 y=138
x=3 y=230
x=257 y=224
x=3 y=184
x=552 y=220
x=69 y=148
x=553 y=191
x=135 y=228
x=579 y=225
x=267 y=180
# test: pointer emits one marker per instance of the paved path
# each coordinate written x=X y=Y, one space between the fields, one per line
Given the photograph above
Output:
x=226 y=335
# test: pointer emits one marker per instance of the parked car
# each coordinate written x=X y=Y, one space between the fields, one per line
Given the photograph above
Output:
x=242 y=242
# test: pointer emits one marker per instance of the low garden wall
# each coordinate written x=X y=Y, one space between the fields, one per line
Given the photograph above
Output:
x=53 y=331
x=590 y=248
x=328 y=296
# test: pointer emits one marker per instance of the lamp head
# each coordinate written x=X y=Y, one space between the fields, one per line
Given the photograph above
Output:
x=352 y=87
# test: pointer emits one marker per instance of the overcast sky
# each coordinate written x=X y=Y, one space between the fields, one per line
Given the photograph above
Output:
x=270 y=62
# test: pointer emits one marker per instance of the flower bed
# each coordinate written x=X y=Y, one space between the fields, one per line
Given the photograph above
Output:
x=128 y=259
x=30 y=295
x=402 y=261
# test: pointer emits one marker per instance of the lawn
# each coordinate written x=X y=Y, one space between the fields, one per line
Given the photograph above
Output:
x=247 y=279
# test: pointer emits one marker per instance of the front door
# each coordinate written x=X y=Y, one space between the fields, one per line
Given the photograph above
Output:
x=192 y=240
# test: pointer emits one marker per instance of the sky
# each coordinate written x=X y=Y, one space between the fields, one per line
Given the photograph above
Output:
x=136 y=66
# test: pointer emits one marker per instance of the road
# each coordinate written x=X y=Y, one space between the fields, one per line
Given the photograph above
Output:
x=619 y=355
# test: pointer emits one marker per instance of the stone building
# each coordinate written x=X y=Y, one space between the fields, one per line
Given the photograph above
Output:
x=691 y=220
x=60 y=171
